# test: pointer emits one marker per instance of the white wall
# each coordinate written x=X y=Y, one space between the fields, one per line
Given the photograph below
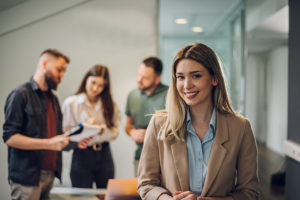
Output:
x=255 y=104
x=277 y=87
x=266 y=96
x=116 y=33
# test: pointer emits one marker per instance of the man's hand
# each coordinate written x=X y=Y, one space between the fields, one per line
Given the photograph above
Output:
x=83 y=144
x=138 y=135
x=57 y=143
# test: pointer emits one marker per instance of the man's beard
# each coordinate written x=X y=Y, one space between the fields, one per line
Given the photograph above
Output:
x=145 y=89
x=50 y=82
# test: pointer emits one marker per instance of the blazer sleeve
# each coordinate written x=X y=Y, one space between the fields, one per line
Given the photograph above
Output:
x=149 y=166
x=247 y=177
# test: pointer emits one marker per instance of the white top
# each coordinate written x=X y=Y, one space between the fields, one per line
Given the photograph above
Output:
x=77 y=109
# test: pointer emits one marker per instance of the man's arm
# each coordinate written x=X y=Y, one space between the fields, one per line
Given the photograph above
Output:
x=137 y=135
x=129 y=124
x=55 y=143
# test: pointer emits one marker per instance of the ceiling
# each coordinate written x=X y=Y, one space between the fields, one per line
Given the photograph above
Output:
x=271 y=32
x=211 y=14
x=6 y=4
x=208 y=14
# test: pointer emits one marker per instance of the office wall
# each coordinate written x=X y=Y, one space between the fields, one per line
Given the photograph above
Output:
x=266 y=96
x=116 y=33
x=255 y=100
x=276 y=102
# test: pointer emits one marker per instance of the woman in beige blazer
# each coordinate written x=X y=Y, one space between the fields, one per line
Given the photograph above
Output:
x=198 y=112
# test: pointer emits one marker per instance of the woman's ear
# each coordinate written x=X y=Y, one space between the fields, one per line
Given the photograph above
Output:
x=214 y=81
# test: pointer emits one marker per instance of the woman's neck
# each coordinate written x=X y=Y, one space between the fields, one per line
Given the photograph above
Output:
x=201 y=113
x=92 y=101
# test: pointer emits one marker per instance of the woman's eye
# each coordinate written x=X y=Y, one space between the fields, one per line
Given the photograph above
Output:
x=179 y=77
x=197 y=76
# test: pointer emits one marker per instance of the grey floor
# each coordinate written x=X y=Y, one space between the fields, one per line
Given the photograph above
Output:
x=269 y=163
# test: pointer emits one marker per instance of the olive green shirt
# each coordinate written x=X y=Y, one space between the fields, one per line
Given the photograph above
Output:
x=140 y=107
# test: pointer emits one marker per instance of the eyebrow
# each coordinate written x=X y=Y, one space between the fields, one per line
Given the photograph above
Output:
x=192 y=72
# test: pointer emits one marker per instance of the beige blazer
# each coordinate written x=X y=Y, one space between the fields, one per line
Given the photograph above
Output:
x=232 y=167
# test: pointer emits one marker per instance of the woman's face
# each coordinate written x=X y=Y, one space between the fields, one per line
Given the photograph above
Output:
x=94 y=86
x=194 y=83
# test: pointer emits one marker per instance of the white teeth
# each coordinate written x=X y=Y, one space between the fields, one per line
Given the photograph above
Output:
x=190 y=94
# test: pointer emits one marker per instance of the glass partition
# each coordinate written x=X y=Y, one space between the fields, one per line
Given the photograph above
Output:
x=220 y=25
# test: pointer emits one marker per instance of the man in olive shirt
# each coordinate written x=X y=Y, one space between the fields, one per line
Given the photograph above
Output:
x=144 y=101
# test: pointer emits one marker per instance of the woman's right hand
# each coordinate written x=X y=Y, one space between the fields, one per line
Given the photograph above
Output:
x=83 y=144
x=184 y=195
x=92 y=121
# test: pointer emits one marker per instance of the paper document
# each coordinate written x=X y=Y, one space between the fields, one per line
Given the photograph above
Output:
x=88 y=130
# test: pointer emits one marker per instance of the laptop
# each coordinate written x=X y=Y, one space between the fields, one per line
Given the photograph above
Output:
x=122 y=189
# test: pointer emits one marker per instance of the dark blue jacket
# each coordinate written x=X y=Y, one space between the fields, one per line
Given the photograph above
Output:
x=26 y=113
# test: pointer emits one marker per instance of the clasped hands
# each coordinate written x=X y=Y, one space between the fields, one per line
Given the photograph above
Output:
x=138 y=135
x=188 y=195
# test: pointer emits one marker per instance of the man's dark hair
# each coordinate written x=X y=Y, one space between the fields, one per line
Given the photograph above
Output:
x=155 y=63
x=56 y=54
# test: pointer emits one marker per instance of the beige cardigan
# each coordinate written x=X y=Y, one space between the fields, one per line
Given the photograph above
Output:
x=232 y=168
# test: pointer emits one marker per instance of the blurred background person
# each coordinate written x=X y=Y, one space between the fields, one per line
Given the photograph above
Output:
x=33 y=130
x=145 y=100
x=93 y=104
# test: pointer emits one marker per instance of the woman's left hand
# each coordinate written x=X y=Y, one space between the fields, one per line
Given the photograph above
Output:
x=214 y=198
x=83 y=144
x=186 y=195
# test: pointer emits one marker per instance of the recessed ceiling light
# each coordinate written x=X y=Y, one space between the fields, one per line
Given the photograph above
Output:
x=180 y=21
x=197 y=29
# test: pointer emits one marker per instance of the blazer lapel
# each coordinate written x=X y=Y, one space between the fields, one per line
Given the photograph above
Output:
x=179 y=154
x=218 y=153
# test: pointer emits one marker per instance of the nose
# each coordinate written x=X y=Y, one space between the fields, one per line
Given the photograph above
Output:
x=139 y=79
x=95 y=88
x=188 y=84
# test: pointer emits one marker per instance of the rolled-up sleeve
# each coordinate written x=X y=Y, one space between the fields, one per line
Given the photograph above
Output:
x=14 y=114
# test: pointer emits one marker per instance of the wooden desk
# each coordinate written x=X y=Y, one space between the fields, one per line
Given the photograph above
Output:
x=64 y=193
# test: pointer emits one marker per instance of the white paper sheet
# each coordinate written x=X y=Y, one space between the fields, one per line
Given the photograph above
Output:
x=88 y=131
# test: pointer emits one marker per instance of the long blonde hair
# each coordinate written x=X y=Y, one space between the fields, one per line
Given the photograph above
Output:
x=175 y=105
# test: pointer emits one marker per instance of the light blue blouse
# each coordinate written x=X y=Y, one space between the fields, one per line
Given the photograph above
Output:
x=199 y=153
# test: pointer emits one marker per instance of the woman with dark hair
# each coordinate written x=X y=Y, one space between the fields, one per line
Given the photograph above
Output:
x=198 y=148
x=93 y=104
